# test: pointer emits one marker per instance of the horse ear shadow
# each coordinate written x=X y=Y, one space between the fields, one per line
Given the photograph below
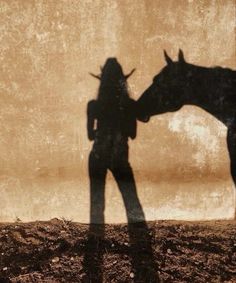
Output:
x=169 y=61
x=181 y=56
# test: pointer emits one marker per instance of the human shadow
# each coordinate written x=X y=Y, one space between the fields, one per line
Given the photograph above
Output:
x=180 y=83
x=111 y=122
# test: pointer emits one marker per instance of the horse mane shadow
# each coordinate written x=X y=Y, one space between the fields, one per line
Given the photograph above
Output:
x=180 y=83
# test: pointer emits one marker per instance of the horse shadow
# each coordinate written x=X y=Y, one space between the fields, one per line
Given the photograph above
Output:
x=111 y=121
x=180 y=83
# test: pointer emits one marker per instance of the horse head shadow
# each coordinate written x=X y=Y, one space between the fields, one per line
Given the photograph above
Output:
x=180 y=83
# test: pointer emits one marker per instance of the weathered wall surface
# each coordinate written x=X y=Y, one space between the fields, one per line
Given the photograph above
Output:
x=180 y=160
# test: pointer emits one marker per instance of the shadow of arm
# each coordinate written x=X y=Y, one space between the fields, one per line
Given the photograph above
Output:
x=91 y=116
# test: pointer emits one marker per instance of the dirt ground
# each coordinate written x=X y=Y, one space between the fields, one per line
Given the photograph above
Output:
x=161 y=251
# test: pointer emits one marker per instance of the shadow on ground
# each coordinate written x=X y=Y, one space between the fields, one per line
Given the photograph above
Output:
x=53 y=251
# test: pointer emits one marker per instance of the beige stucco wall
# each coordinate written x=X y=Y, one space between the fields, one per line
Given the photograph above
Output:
x=180 y=160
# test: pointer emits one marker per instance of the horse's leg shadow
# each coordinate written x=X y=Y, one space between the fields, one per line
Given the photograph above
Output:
x=231 y=142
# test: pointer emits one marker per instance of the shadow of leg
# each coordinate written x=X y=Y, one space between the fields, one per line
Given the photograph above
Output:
x=93 y=259
x=143 y=261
